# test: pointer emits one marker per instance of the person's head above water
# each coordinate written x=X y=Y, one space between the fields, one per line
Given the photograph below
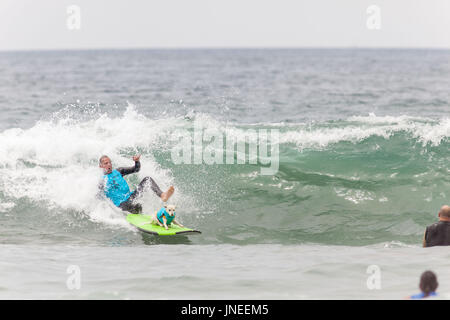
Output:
x=105 y=163
x=428 y=282
x=444 y=213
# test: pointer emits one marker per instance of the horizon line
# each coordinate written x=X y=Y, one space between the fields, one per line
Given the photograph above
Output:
x=224 y=48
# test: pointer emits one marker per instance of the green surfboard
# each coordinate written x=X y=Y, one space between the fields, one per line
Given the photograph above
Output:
x=142 y=222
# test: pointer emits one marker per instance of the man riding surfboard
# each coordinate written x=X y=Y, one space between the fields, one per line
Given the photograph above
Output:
x=117 y=190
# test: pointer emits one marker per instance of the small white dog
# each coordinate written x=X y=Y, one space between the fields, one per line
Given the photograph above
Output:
x=165 y=217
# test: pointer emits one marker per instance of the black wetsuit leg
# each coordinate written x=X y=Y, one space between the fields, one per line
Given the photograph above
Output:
x=143 y=186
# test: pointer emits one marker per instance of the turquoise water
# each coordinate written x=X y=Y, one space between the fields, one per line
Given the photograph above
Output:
x=363 y=169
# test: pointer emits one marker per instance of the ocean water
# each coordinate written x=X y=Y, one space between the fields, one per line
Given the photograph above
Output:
x=363 y=169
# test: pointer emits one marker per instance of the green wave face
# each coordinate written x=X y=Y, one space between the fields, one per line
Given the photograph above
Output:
x=358 y=181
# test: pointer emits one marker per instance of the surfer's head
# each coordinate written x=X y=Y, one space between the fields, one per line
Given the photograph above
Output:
x=105 y=163
x=444 y=213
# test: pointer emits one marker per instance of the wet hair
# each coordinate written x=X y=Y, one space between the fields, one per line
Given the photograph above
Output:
x=445 y=211
x=428 y=282
x=101 y=158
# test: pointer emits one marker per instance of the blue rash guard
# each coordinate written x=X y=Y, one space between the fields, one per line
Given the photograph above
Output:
x=116 y=188
x=162 y=212
x=114 y=185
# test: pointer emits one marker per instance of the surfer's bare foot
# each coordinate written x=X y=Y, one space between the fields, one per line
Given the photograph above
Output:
x=166 y=195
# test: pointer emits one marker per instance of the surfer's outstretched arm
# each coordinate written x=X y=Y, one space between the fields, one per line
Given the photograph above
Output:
x=124 y=171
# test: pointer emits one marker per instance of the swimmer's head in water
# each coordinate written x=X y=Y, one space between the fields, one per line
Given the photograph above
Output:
x=428 y=282
x=445 y=212
x=105 y=163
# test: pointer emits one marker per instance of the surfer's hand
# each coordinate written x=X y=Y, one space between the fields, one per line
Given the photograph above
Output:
x=136 y=158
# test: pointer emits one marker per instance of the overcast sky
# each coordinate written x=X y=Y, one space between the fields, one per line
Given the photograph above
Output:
x=43 y=24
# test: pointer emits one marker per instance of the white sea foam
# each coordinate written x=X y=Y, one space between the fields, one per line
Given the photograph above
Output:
x=357 y=129
x=56 y=162
x=5 y=206
x=354 y=130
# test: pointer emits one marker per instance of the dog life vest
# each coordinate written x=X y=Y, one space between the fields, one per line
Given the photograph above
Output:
x=163 y=212
x=116 y=188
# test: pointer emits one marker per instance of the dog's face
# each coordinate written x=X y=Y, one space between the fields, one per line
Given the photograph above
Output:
x=170 y=208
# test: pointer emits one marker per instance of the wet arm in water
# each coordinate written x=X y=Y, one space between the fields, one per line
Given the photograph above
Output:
x=424 y=241
x=125 y=171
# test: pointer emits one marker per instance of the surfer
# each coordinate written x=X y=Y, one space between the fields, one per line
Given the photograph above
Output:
x=116 y=188
x=438 y=234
